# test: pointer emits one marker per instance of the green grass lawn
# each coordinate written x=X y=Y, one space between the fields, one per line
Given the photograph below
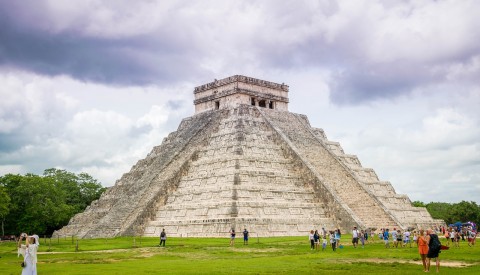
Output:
x=214 y=256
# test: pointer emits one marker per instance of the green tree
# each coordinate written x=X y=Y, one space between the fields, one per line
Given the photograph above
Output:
x=80 y=190
x=418 y=204
x=4 y=206
x=440 y=210
x=465 y=211
x=42 y=204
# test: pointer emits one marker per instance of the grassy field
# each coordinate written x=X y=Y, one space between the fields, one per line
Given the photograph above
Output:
x=289 y=255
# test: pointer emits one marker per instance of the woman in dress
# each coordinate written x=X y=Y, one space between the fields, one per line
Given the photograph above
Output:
x=29 y=253
x=422 y=248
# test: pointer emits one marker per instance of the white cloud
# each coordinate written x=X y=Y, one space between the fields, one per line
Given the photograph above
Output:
x=62 y=123
x=394 y=82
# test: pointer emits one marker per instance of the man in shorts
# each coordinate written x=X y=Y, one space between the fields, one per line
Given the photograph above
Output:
x=355 y=237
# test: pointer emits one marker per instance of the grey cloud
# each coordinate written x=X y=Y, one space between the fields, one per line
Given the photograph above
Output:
x=376 y=81
x=138 y=60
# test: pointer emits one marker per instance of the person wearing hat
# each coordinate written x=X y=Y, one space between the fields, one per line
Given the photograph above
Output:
x=29 y=253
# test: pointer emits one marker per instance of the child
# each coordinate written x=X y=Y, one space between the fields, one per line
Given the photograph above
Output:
x=324 y=243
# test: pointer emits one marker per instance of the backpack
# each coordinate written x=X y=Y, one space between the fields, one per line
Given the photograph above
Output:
x=435 y=243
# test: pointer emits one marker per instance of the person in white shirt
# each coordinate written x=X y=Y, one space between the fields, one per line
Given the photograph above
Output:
x=355 y=235
x=406 y=238
x=29 y=253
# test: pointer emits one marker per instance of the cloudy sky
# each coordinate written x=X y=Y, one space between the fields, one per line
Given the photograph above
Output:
x=91 y=86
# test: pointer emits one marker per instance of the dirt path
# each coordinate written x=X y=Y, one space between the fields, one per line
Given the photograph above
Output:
x=419 y=262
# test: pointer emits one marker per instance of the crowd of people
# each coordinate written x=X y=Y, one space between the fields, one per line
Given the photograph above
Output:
x=427 y=241
x=453 y=235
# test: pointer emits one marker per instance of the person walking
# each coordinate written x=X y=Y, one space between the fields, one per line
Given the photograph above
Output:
x=337 y=237
x=434 y=246
x=415 y=238
x=362 y=238
x=163 y=238
x=355 y=236
x=386 y=235
x=311 y=238
x=333 y=241
x=406 y=239
x=316 y=238
x=422 y=248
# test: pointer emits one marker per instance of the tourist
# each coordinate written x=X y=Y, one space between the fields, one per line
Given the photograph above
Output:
x=380 y=234
x=471 y=237
x=316 y=239
x=457 y=239
x=245 y=237
x=365 y=236
x=232 y=237
x=399 y=239
x=29 y=253
x=324 y=232
x=447 y=237
x=415 y=238
x=324 y=243
x=163 y=238
x=406 y=239
x=422 y=248
x=385 y=238
x=394 y=237
x=362 y=238
x=337 y=237
x=452 y=236
x=333 y=241
x=311 y=238
x=355 y=236
x=434 y=246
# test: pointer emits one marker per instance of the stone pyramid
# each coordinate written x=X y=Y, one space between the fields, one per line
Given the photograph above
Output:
x=244 y=161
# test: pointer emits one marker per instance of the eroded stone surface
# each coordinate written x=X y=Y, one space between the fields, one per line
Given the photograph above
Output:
x=245 y=166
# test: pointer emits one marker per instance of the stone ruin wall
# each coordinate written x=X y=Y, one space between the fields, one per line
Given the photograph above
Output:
x=241 y=166
x=231 y=91
x=255 y=184
x=398 y=204
x=123 y=208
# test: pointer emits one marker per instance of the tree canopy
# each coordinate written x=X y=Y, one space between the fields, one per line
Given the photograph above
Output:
x=43 y=203
x=452 y=212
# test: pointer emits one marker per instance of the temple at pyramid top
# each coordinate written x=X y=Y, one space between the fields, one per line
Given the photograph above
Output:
x=244 y=161
x=238 y=89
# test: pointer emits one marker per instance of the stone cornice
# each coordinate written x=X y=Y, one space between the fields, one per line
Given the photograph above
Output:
x=241 y=91
x=240 y=78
